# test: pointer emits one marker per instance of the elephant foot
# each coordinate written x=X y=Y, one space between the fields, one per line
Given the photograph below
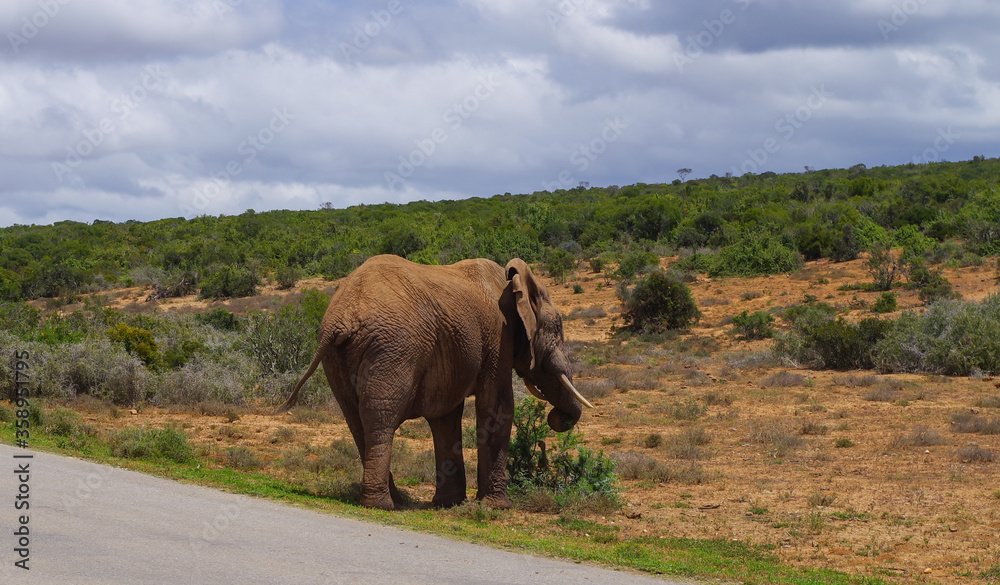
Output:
x=497 y=501
x=381 y=501
x=447 y=500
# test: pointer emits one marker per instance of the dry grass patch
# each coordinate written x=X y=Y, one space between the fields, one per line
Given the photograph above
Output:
x=856 y=380
x=976 y=454
x=785 y=379
x=966 y=422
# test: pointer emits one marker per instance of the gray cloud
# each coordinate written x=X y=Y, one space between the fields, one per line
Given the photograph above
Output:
x=164 y=109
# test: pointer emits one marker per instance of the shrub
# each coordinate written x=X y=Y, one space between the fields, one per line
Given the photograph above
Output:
x=243 y=459
x=569 y=470
x=559 y=263
x=886 y=303
x=597 y=264
x=137 y=341
x=97 y=368
x=230 y=282
x=220 y=319
x=285 y=341
x=756 y=325
x=203 y=381
x=836 y=344
x=287 y=276
x=882 y=265
x=169 y=444
x=658 y=303
x=754 y=254
x=635 y=263
x=950 y=337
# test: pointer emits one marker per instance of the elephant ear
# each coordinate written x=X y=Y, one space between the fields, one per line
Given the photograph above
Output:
x=522 y=285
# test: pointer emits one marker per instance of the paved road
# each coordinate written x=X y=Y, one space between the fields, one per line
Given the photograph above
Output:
x=92 y=524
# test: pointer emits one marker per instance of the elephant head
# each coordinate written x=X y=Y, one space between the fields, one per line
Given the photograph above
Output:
x=540 y=357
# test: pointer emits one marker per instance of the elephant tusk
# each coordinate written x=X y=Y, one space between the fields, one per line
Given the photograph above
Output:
x=534 y=391
x=572 y=390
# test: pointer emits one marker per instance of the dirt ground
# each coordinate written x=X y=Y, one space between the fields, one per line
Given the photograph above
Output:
x=868 y=473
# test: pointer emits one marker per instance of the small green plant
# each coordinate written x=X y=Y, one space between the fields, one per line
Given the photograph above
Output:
x=756 y=325
x=577 y=289
x=567 y=469
x=652 y=441
x=886 y=303
x=843 y=443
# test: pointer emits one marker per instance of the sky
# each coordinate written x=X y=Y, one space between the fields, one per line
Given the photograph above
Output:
x=148 y=109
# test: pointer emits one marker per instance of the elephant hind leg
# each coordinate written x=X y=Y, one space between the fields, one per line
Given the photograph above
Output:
x=449 y=460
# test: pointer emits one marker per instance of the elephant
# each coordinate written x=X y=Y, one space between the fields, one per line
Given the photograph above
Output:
x=402 y=340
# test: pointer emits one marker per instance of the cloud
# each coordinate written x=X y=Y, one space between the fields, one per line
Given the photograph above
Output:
x=123 y=111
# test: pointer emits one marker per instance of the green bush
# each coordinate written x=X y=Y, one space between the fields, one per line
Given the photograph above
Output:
x=287 y=276
x=559 y=264
x=950 y=337
x=634 y=263
x=566 y=468
x=882 y=265
x=754 y=254
x=834 y=343
x=230 y=282
x=886 y=303
x=220 y=319
x=659 y=302
x=286 y=340
x=756 y=325
x=137 y=341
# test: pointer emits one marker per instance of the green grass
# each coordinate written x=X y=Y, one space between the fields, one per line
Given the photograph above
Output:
x=692 y=558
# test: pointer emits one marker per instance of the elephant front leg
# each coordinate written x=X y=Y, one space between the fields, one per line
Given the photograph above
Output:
x=449 y=459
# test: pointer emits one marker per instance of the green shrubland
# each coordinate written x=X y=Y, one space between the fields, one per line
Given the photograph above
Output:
x=753 y=224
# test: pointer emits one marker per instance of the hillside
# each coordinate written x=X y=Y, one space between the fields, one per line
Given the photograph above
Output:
x=834 y=214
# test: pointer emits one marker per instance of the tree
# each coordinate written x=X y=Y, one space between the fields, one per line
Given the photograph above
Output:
x=683 y=173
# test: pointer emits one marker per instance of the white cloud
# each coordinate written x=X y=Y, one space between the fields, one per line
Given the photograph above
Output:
x=463 y=98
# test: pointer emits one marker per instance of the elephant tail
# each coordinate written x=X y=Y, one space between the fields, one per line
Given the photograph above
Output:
x=295 y=393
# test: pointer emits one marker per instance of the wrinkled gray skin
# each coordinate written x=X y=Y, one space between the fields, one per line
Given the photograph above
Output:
x=402 y=340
